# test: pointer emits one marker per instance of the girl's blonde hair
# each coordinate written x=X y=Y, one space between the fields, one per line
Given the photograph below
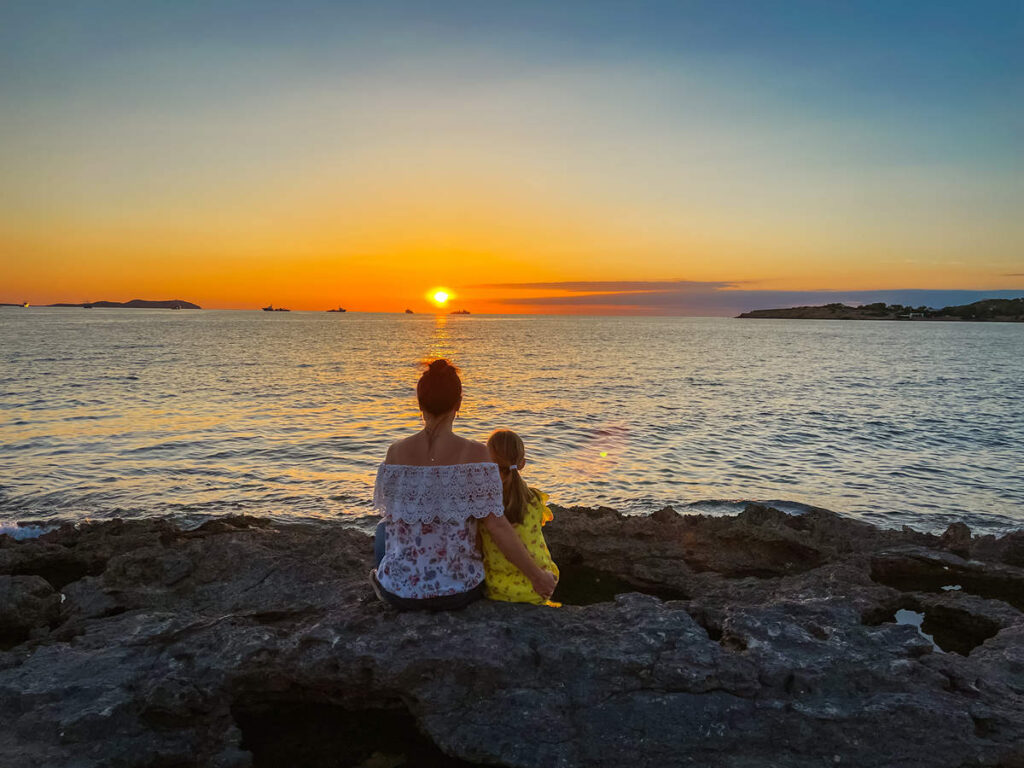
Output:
x=508 y=451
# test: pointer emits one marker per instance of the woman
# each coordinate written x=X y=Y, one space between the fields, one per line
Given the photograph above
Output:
x=432 y=490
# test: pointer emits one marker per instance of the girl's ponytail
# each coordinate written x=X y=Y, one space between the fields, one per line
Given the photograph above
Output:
x=508 y=450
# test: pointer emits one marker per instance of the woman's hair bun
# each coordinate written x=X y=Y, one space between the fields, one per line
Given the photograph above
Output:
x=439 y=389
x=440 y=366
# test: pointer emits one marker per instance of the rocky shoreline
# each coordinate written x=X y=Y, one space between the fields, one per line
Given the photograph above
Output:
x=761 y=639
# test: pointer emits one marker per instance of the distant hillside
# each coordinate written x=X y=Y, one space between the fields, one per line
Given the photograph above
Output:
x=989 y=310
x=135 y=304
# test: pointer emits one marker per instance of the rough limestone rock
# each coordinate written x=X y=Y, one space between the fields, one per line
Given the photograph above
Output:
x=28 y=605
x=757 y=640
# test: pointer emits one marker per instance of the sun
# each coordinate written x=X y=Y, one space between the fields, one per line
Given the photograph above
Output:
x=440 y=296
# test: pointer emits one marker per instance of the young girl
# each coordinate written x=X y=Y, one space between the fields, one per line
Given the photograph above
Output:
x=525 y=508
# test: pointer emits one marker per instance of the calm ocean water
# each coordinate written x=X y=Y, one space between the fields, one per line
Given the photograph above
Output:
x=197 y=413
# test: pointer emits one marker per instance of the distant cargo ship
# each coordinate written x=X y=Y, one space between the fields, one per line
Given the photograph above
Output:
x=339 y=309
x=272 y=308
x=409 y=312
x=460 y=312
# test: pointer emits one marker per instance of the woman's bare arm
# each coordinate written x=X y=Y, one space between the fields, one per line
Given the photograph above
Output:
x=512 y=547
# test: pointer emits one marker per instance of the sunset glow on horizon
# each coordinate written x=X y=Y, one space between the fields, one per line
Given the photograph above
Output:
x=658 y=158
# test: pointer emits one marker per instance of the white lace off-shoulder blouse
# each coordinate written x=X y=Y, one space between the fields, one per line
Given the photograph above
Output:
x=431 y=514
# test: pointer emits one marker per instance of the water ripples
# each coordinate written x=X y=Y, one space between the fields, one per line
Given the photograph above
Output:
x=137 y=412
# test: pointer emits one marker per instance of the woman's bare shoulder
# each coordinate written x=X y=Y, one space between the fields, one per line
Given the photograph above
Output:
x=475 y=451
x=398 y=450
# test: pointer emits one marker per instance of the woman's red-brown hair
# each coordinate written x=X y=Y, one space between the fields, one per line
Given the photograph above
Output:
x=439 y=389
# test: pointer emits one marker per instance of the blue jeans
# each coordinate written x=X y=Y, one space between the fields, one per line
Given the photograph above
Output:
x=379 y=538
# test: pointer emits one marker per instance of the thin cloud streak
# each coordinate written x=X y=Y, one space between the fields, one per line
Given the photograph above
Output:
x=618 y=286
x=690 y=299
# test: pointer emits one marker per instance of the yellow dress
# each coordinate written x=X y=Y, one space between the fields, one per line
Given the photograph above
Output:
x=503 y=580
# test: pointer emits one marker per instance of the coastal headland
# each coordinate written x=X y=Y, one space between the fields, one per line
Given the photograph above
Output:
x=753 y=640
x=988 y=310
x=133 y=304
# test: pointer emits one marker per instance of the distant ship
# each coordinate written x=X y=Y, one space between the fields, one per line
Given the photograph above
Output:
x=460 y=312
x=339 y=309
x=409 y=312
x=272 y=308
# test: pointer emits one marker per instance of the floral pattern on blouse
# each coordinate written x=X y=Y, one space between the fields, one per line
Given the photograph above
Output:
x=431 y=513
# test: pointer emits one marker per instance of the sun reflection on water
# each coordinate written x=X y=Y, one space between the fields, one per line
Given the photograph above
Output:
x=441 y=344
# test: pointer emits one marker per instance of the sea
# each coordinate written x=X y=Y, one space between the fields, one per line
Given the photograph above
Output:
x=188 y=414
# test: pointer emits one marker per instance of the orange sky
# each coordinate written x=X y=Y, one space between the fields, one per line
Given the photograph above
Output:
x=383 y=254
x=377 y=239
x=237 y=172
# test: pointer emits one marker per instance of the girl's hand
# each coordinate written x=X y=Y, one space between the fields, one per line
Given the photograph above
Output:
x=544 y=584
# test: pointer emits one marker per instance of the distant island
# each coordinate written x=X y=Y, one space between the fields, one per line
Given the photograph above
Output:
x=987 y=310
x=133 y=304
